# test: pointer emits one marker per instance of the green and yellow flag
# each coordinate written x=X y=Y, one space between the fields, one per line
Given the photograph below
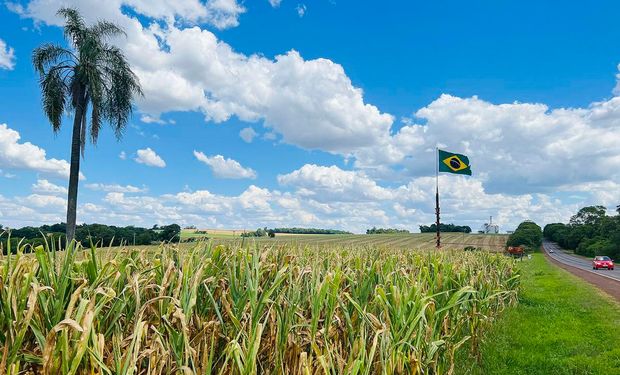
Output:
x=453 y=163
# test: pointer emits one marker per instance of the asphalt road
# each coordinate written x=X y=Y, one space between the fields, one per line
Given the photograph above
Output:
x=569 y=259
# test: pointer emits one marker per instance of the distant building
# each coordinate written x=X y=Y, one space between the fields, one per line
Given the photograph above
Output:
x=490 y=228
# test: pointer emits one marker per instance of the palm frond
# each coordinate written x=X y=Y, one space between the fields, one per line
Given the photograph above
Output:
x=75 y=28
x=124 y=86
x=54 y=97
x=95 y=123
x=50 y=56
x=97 y=91
x=105 y=29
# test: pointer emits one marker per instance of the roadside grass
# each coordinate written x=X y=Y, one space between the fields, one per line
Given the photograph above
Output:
x=562 y=325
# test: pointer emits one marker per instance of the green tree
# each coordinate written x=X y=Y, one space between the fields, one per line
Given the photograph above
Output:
x=170 y=232
x=91 y=76
x=590 y=215
x=527 y=234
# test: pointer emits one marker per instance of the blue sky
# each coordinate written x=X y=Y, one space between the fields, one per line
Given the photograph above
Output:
x=346 y=101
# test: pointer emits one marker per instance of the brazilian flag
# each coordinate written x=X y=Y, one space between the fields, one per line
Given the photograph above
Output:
x=453 y=163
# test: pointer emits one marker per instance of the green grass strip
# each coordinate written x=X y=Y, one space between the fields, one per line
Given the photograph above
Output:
x=562 y=325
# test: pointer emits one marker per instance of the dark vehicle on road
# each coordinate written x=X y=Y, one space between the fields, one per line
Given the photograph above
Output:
x=602 y=262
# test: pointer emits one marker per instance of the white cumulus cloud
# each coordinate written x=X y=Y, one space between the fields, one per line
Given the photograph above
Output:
x=221 y=14
x=7 y=56
x=311 y=103
x=334 y=184
x=512 y=147
x=314 y=105
x=149 y=157
x=41 y=200
x=116 y=188
x=248 y=134
x=16 y=155
x=312 y=196
x=225 y=168
x=45 y=187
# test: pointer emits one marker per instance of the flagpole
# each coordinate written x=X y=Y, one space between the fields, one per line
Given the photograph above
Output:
x=437 y=196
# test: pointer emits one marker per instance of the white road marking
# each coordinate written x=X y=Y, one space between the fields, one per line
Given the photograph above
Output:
x=564 y=257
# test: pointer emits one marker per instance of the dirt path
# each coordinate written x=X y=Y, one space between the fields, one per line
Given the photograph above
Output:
x=607 y=285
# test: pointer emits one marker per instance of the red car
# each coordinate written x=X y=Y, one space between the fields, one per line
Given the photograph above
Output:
x=602 y=262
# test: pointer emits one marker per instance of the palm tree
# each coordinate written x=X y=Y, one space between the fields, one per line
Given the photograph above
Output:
x=91 y=76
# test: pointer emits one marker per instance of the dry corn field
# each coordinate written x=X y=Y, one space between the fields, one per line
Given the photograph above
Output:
x=225 y=309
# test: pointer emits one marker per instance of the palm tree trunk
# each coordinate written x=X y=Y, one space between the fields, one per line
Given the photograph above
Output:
x=74 y=171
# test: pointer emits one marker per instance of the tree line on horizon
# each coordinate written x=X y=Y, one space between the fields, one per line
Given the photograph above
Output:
x=99 y=234
x=375 y=230
x=295 y=230
x=589 y=232
x=445 y=228
x=263 y=232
